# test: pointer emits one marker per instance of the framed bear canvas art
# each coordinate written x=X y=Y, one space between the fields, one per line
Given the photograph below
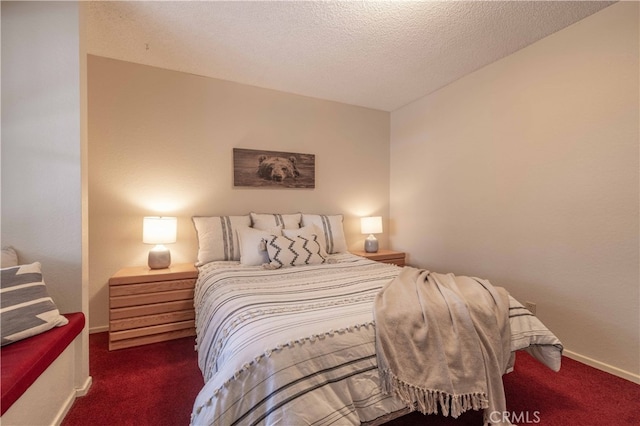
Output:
x=273 y=169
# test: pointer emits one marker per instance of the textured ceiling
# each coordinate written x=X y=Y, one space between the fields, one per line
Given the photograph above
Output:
x=380 y=55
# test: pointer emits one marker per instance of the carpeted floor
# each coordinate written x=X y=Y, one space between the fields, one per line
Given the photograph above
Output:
x=157 y=384
x=146 y=385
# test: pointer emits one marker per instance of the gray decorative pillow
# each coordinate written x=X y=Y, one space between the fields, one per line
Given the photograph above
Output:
x=26 y=307
x=218 y=238
x=295 y=251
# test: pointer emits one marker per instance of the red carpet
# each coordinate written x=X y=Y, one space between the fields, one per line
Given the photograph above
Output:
x=146 y=385
x=157 y=384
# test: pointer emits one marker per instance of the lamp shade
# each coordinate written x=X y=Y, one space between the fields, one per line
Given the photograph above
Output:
x=159 y=230
x=371 y=225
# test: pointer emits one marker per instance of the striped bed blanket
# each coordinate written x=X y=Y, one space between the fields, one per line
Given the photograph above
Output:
x=297 y=345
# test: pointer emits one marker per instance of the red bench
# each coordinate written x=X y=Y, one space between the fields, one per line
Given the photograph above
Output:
x=24 y=361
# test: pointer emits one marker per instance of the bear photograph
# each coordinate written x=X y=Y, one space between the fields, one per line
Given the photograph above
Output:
x=256 y=168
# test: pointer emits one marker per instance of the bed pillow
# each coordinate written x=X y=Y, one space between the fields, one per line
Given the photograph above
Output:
x=331 y=233
x=9 y=257
x=530 y=334
x=27 y=308
x=296 y=251
x=253 y=251
x=266 y=221
x=305 y=231
x=217 y=237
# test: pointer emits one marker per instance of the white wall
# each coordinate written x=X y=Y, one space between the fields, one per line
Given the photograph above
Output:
x=41 y=147
x=526 y=172
x=161 y=142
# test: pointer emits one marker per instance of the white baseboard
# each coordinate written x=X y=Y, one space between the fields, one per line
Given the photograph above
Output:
x=64 y=409
x=68 y=403
x=602 y=366
x=84 y=389
x=100 y=329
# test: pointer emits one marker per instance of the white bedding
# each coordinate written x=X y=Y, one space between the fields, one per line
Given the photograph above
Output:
x=296 y=345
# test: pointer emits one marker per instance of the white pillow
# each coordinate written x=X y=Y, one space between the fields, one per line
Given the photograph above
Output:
x=217 y=238
x=284 y=251
x=9 y=257
x=253 y=250
x=306 y=231
x=331 y=233
x=266 y=220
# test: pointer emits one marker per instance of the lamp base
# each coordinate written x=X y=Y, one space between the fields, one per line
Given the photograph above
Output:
x=371 y=244
x=159 y=258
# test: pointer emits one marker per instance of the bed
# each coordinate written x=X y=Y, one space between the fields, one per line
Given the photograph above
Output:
x=297 y=345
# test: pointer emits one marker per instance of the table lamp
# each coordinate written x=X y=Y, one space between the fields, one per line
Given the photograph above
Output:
x=371 y=225
x=159 y=230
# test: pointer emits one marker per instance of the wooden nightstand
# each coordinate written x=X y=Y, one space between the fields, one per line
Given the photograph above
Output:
x=384 y=256
x=151 y=305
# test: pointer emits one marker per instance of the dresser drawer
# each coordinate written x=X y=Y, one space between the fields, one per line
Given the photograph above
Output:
x=149 y=298
x=156 y=308
x=146 y=288
x=139 y=321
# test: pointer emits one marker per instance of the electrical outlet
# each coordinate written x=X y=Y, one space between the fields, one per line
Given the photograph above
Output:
x=531 y=307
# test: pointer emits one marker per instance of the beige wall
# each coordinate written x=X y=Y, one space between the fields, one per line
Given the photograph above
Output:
x=526 y=173
x=160 y=142
x=41 y=149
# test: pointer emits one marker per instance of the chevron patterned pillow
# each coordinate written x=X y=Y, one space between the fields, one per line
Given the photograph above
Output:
x=27 y=308
x=293 y=251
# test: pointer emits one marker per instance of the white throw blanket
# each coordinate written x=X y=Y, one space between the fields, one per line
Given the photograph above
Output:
x=443 y=341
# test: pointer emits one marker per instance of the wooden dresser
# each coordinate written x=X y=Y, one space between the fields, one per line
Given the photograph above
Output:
x=151 y=305
x=384 y=256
